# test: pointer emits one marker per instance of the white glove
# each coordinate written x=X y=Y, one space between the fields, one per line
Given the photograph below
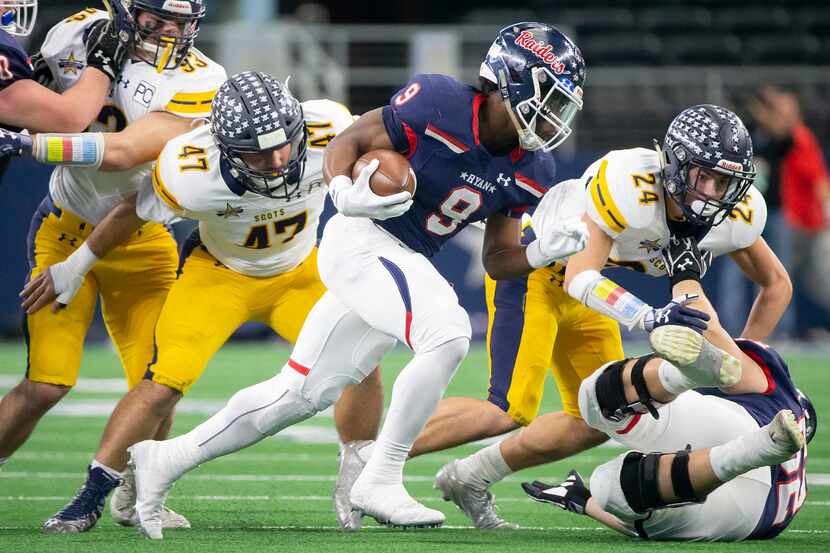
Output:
x=68 y=275
x=560 y=240
x=356 y=199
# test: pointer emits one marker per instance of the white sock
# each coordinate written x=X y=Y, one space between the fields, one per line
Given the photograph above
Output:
x=109 y=470
x=252 y=414
x=484 y=467
x=674 y=381
x=741 y=454
x=416 y=392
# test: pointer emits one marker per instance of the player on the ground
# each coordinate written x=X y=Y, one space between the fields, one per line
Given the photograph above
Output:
x=744 y=417
x=253 y=179
x=535 y=324
x=164 y=86
x=374 y=254
x=25 y=103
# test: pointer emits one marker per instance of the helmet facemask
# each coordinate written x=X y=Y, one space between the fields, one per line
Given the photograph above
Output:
x=163 y=51
x=279 y=183
x=17 y=17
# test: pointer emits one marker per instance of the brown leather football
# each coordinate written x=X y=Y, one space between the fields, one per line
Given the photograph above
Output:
x=393 y=175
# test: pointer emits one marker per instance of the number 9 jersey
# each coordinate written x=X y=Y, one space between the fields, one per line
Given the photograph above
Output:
x=186 y=91
x=251 y=234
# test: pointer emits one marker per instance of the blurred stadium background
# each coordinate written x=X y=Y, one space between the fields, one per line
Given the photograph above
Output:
x=647 y=59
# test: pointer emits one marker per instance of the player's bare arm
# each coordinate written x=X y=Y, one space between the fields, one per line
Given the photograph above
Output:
x=116 y=228
x=366 y=134
x=142 y=141
x=760 y=264
x=503 y=255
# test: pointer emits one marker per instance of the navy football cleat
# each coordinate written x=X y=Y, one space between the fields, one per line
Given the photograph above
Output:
x=81 y=514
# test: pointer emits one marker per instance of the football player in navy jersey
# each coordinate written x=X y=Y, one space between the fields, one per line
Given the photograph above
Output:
x=730 y=436
x=24 y=103
x=477 y=154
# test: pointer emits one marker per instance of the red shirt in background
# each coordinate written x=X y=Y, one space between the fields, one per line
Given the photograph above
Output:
x=801 y=170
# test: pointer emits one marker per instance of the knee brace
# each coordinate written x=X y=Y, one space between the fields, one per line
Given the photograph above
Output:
x=611 y=392
x=639 y=481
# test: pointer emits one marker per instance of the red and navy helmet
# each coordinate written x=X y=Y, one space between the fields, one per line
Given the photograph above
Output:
x=150 y=44
x=540 y=74
x=254 y=113
x=713 y=138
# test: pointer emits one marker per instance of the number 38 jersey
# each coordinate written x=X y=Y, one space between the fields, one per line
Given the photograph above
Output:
x=186 y=91
x=251 y=234
x=623 y=194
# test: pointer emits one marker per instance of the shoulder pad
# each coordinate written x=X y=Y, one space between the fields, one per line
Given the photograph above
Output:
x=624 y=190
x=173 y=185
x=68 y=35
x=747 y=219
x=325 y=119
x=194 y=85
x=414 y=103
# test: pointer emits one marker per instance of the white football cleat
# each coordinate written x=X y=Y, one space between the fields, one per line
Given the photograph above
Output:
x=391 y=505
x=702 y=362
x=350 y=466
x=155 y=474
x=786 y=438
x=476 y=502
x=122 y=506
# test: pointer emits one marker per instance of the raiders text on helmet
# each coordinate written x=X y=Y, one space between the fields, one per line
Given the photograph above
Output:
x=540 y=74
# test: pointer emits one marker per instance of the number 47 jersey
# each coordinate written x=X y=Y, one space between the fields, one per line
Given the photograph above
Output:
x=186 y=91
x=434 y=122
x=250 y=234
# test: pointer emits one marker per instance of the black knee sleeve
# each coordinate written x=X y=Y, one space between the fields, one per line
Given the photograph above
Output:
x=611 y=392
x=639 y=481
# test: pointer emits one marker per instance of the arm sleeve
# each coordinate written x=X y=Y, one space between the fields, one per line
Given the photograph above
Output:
x=409 y=112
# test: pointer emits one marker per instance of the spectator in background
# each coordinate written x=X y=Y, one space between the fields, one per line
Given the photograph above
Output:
x=798 y=191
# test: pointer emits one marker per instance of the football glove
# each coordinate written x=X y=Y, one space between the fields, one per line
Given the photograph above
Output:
x=106 y=48
x=676 y=312
x=42 y=74
x=571 y=495
x=14 y=143
x=684 y=261
x=356 y=199
x=559 y=240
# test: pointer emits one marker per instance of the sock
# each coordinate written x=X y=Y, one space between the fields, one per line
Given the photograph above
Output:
x=484 y=467
x=674 y=381
x=416 y=392
x=109 y=470
x=741 y=455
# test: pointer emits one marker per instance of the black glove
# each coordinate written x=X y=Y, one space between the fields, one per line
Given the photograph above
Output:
x=676 y=313
x=571 y=495
x=42 y=73
x=106 y=48
x=14 y=143
x=684 y=261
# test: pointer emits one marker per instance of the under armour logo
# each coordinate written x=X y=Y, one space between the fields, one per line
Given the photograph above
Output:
x=501 y=179
x=685 y=264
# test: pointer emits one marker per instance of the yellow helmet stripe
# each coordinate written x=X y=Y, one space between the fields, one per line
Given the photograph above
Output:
x=604 y=202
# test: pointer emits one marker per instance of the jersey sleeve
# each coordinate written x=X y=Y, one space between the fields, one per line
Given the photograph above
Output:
x=196 y=83
x=612 y=197
x=535 y=177
x=748 y=219
x=409 y=112
x=64 y=51
x=150 y=206
x=324 y=120
x=14 y=63
x=165 y=203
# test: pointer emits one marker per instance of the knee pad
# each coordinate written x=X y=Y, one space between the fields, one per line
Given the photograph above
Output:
x=639 y=481
x=611 y=392
x=287 y=405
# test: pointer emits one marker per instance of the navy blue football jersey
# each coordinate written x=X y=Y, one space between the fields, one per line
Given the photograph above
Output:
x=789 y=485
x=433 y=121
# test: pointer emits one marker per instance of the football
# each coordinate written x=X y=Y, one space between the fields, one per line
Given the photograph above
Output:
x=393 y=175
